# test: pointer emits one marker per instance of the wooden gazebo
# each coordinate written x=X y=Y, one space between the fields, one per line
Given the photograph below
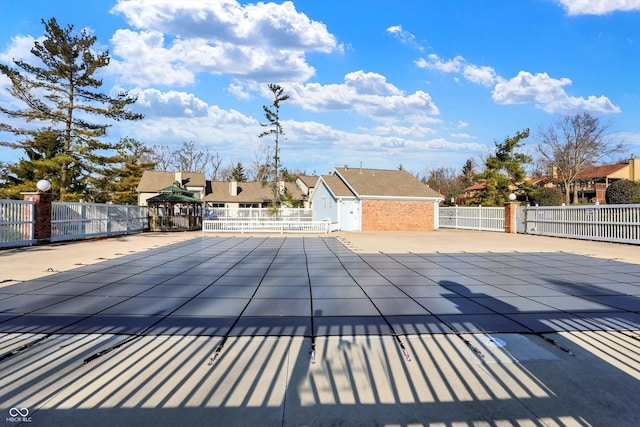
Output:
x=175 y=209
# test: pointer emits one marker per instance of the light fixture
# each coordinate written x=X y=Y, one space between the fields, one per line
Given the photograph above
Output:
x=512 y=197
x=43 y=185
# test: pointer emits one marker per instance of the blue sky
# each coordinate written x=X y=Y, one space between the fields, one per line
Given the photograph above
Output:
x=421 y=83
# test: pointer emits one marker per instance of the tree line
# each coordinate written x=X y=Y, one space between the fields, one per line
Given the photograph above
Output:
x=561 y=151
x=61 y=121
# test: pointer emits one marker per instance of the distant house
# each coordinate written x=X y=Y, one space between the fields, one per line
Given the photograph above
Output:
x=470 y=192
x=152 y=182
x=592 y=182
x=215 y=194
x=375 y=200
x=247 y=194
x=306 y=184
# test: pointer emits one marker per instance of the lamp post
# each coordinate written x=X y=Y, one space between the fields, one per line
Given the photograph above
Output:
x=43 y=185
x=42 y=210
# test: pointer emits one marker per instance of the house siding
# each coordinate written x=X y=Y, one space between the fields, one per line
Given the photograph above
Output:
x=324 y=204
x=397 y=215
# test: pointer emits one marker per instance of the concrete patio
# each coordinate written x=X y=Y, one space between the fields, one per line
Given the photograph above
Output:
x=441 y=329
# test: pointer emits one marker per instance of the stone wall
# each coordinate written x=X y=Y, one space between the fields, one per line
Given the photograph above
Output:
x=396 y=215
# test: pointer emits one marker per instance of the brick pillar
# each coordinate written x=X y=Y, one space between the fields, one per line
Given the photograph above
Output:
x=42 y=216
x=510 y=209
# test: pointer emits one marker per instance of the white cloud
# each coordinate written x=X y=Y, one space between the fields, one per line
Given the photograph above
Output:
x=237 y=89
x=413 y=131
x=462 y=135
x=146 y=60
x=19 y=48
x=366 y=93
x=174 y=117
x=266 y=24
x=482 y=75
x=548 y=94
x=404 y=36
x=263 y=41
x=434 y=62
x=335 y=147
x=599 y=7
x=545 y=92
x=152 y=102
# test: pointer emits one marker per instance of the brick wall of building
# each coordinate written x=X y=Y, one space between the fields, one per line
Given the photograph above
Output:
x=393 y=215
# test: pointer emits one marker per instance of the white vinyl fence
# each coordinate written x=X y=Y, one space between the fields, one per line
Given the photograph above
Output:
x=610 y=223
x=265 y=226
x=472 y=218
x=290 y=214
x=261 y=220
x=76 y=220
x=16 y=223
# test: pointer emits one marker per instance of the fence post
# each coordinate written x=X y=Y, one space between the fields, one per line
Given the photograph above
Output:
x=510 y=209
x=42 y=215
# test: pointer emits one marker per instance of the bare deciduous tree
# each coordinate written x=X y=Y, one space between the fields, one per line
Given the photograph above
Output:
x=162 y=156
x=572 y=144
x=260 y=169
x=215 y=161
x=190 y=158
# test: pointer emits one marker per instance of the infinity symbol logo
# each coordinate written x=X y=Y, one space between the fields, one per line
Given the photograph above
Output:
x=14 y=412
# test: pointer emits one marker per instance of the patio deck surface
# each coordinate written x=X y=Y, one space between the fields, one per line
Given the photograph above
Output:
x=275 y=286
x=273 y=330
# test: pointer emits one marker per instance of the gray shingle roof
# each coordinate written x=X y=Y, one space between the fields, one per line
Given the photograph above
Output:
x=153 y=181
x=308 y=180
x=386 y=183
x=337 y=186
x=248 y=192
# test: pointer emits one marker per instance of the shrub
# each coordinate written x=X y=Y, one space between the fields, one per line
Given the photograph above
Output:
x=621 y=192
x=547 y=197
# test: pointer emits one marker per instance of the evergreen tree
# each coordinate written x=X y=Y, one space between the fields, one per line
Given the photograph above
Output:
x=273 y=117
x=237 y=174
x=62 y=96
x=504 y=172
x=467 y=174
x=133 y=158
x=42 y=161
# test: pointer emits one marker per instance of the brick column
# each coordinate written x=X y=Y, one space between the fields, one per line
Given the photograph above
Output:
x=510 y=209
x=42 y=216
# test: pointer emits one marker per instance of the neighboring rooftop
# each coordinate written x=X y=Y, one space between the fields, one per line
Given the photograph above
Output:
x=151 y=181
x=247 y=192
x=389 y=183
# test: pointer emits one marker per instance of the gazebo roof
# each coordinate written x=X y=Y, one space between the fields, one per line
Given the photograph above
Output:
x=174 y=194
x=173 y=198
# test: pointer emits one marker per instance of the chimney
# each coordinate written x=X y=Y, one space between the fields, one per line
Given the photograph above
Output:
x=178 y=175
x=233 y=188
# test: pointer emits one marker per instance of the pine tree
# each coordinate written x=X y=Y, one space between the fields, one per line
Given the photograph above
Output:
x=62 y=97
x=42 y=160
x=133 y=158
x=504 y=172
x=273 y=117
x=237 y=174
